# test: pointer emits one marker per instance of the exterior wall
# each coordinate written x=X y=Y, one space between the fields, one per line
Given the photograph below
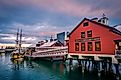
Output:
x=106 y=38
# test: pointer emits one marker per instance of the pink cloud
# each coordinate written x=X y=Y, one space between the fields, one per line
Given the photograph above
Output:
x=69 y=7
x=85 y=8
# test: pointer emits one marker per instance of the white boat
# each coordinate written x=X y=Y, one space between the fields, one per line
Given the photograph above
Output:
x=53 y=50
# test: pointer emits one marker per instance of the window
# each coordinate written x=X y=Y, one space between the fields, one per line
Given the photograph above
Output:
x=82 y=34
x=76 y=46
x=89 y=33
x=97 y=46
x=85 y=24
x=37 y=45
x=82 y=46
x=90 y=48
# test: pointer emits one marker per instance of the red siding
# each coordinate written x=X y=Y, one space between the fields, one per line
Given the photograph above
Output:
x=106 y=37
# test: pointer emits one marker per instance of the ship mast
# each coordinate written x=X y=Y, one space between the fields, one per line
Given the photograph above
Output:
x=20 y=41
x=17 y=41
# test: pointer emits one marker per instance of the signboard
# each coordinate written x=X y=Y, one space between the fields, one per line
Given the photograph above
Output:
x=88 y=39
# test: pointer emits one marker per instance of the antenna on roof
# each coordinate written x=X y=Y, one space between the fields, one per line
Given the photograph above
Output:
x=103 y=15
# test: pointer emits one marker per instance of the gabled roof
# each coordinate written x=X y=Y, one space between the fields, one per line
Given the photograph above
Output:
x=49 y=44
x=114 y=30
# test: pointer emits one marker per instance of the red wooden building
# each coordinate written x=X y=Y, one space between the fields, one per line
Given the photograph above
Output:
x=94 y=38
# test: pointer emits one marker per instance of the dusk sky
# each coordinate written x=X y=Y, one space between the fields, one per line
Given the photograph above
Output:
x=39 y=19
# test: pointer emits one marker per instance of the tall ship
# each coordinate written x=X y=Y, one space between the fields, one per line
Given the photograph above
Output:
x=18 y=53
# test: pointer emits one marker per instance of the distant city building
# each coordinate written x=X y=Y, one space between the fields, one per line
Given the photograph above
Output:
x=62 y=37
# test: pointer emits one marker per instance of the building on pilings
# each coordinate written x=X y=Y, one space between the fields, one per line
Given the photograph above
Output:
x=94 y=38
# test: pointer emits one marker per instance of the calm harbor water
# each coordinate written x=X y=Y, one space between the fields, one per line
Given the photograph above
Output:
x=45 y=70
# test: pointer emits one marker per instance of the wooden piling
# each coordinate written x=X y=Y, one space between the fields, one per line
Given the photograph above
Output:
x=89 y=65
x=85 y=63
x=70 y=61
x=79 y=62
x=117 y=68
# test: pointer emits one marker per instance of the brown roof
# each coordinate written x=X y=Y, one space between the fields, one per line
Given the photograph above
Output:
x=114 y=30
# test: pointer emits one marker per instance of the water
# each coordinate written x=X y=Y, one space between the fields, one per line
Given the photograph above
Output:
x=43 y=70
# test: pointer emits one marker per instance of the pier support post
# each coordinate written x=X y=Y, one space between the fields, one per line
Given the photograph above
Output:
x=105 y=63
x=79 y=62
x=102 y=64
x=93 y=63
x=99 y=63
x=110 y=65
x=117 y=68
x=85 y=63
x=70 y=62
x=89 y=65
x=64 y=59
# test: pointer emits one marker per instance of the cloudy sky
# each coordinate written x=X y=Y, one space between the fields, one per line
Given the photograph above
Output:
x=40 y=19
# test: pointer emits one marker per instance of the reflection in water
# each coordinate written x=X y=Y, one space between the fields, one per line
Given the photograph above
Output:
x=2 y=57
x=17 y=64
x=45 y=70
